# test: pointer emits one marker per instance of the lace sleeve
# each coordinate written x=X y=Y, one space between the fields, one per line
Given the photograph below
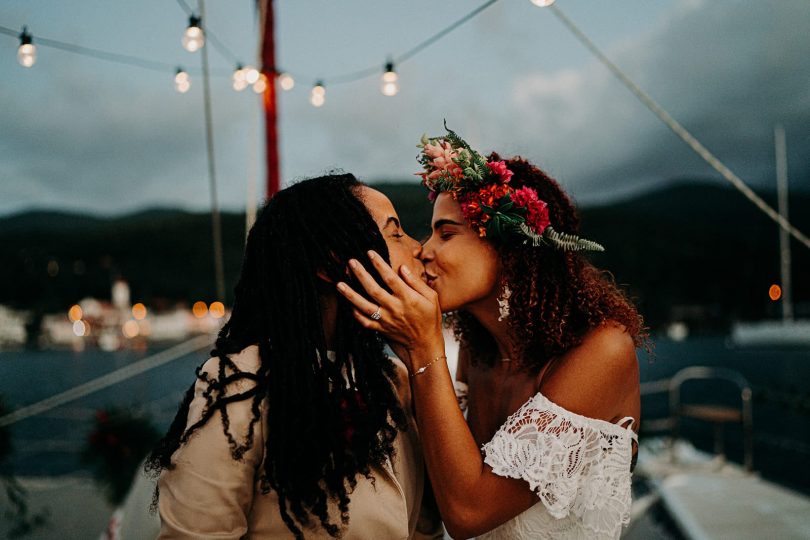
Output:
x=573 y=463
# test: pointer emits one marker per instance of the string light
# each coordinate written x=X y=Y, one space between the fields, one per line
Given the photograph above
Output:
x=542 y=3
x=286 y=81
x=193 y=37
x=27 y=53
x=260 y=85
x=318 y=95
x=239 y=78
x=390 y=84
x=251 y=74
x=181 y=81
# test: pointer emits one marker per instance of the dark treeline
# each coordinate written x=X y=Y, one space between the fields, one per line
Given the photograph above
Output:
x=690 y=251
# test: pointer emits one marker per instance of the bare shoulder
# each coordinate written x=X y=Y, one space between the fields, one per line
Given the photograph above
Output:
x=608 y=349
x=599 y=377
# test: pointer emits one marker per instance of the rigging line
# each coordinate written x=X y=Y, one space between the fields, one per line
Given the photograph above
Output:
x=99 y=383
x=680 y=131
x=361 y=74
x=117 y=58
x=216 y=220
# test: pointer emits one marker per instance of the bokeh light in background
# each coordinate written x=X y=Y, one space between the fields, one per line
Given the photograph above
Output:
x=199 y=309
x=139 y=311
x=131 y=329
x=217 y=310
x=75 y=313
x=80 y=328
x=775 y=292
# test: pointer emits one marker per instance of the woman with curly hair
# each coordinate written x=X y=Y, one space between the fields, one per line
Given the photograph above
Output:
x=299 y=425
x=547 y=371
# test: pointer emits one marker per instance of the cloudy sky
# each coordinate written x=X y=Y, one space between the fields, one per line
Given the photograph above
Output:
x=82 y=134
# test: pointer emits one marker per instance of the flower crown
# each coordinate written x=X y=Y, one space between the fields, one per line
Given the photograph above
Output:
x=493 y=207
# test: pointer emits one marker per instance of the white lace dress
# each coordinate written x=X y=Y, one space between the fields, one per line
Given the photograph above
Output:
x=580 y=468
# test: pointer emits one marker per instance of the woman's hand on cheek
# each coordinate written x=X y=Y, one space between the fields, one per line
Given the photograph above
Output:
x=409 y=316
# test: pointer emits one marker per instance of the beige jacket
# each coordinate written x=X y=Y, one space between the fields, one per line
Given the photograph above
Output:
x=209 y=495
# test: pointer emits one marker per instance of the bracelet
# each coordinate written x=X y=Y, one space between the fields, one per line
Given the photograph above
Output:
x=424 y=368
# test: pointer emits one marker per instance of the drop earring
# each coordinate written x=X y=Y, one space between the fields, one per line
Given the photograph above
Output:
x=503 y=302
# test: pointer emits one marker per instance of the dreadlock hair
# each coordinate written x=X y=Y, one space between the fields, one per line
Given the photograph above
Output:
x=557 y=296
x=328 y=420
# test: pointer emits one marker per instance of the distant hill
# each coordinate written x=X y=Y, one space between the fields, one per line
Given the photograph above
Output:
x=689 y=251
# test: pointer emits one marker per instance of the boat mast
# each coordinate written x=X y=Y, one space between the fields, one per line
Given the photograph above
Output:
x=784 y=240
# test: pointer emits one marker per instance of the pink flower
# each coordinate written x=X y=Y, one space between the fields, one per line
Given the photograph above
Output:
x=536 y=210
x=442 y=155
x=499 y=168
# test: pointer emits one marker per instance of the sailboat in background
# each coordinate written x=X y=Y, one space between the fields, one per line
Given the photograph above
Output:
x=788 y=331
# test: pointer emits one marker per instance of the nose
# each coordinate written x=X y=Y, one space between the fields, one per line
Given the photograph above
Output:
x=427 y=250
x=416 y=248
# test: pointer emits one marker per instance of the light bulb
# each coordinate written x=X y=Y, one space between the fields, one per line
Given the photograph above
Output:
x=261 y=85
x=542 y=3
x=239 y=78
x=286 y=81
x=27 y=53
x=318 y=96
x=251 y=74
x=193 y=37
x=181 y=81
x=390 y=84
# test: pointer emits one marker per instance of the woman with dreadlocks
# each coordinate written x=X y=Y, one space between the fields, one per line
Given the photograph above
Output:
x=298 y=425
x=547 y=371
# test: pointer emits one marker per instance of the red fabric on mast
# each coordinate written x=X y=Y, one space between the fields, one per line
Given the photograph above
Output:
x=270 y=106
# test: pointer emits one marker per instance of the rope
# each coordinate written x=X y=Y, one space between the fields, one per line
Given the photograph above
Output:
x=216 y=221
x=681 y=132
x=105 y=381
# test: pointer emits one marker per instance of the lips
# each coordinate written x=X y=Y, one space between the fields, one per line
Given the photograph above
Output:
x=430 y=278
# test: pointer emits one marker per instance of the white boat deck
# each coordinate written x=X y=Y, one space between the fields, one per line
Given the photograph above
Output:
x=715 y=506
x=711 y=499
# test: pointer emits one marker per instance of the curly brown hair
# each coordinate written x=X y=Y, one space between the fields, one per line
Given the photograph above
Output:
x=557 y=296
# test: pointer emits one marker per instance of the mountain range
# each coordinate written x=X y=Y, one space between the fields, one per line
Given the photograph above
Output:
x=691 y=251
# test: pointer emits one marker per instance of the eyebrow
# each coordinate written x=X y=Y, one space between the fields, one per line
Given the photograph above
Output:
x=441 y=222
x=390 y=220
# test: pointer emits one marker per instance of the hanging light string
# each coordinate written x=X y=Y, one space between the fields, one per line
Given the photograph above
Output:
x=681 y=131
x=116 y=58
x=359 y=75
x=164 y=67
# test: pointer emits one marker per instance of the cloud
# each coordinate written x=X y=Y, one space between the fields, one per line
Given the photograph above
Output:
x=512 y=80
x=115 y=148
x=727 y=71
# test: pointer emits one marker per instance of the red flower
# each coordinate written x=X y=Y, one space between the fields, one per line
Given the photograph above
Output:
x=499 y=168
x=536 y=210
